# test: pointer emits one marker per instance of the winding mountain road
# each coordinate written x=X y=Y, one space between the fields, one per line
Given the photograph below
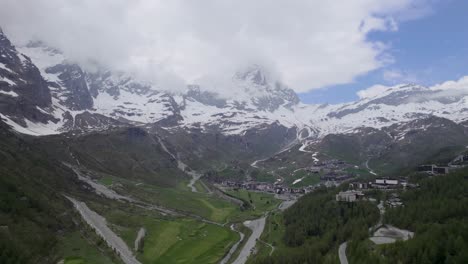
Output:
x=369 y=169
x=99 y=224
x=342 y=253
x=257 y=227
x=195 y=176
x=234 y=247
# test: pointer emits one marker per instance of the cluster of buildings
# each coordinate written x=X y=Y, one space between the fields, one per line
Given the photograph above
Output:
x=349 y=196
x=433 y=169
x=334 y=176
x=331 y=164
x=264 y=187
x=382 y=183
x=394 y=201
x=356 y=190
x=332 y=170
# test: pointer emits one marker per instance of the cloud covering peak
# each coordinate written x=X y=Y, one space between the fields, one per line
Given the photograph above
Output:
x=309 y=44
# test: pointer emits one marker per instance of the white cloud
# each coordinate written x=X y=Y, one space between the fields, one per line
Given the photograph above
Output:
x=313 y=44
x=395 y=76
x=461 y=84
x=451 y=88
x=373 y=91
x=443 y=90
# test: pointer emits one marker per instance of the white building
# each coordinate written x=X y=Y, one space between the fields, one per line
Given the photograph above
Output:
x=386 y=182
x=348 y=196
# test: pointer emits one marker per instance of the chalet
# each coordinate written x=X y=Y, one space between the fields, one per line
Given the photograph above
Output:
x=383 y=183
x=440 y=170
x=263 y=187
x=394 y=201
x=280 y=189
x=426 y=168
x=349 y=196
x=297 y=190
x=359 y=185
x=433 y=169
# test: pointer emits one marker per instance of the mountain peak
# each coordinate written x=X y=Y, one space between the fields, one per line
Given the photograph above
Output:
x=254 y=73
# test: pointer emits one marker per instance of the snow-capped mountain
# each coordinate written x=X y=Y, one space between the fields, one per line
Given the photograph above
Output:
x=397 y=104
x=41 y=92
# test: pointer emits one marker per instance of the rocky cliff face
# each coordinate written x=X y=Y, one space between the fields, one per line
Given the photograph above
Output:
x=23 y=91
x=71 y=86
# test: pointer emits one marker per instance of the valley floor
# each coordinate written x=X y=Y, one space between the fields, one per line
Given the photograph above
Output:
x=181 y=226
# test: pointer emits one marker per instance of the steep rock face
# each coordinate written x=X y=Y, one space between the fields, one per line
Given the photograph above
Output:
x=24 y=94
x=86 y=122
x=208 y=98
x=19 y=73
x=72 y=89
x=48 y=99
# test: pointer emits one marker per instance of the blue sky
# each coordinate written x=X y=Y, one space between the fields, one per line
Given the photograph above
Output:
x=428 y=50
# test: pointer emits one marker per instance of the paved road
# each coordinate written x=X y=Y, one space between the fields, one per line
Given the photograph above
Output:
x=288 y=201
x=257 y=227
x=233 y=248
x=254 y=164
x=111 y=194
x=195 y=177
x=369 y=169
x=342 y=253
x=100 y=225
x=99 y=188
x=286 y=204
x=183 y=167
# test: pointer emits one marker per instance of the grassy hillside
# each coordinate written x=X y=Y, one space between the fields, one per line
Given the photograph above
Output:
x=35 y=218
x=213 y=150
x=130 y=153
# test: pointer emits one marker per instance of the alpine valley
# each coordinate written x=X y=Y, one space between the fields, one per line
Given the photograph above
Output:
x=98 y=166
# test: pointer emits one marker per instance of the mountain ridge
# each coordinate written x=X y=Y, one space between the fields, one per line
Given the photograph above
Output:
x=78 y=100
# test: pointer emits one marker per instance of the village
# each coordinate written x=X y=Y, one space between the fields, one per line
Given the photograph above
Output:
x=459 y=162
x=332 y=173
x=356 y=190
